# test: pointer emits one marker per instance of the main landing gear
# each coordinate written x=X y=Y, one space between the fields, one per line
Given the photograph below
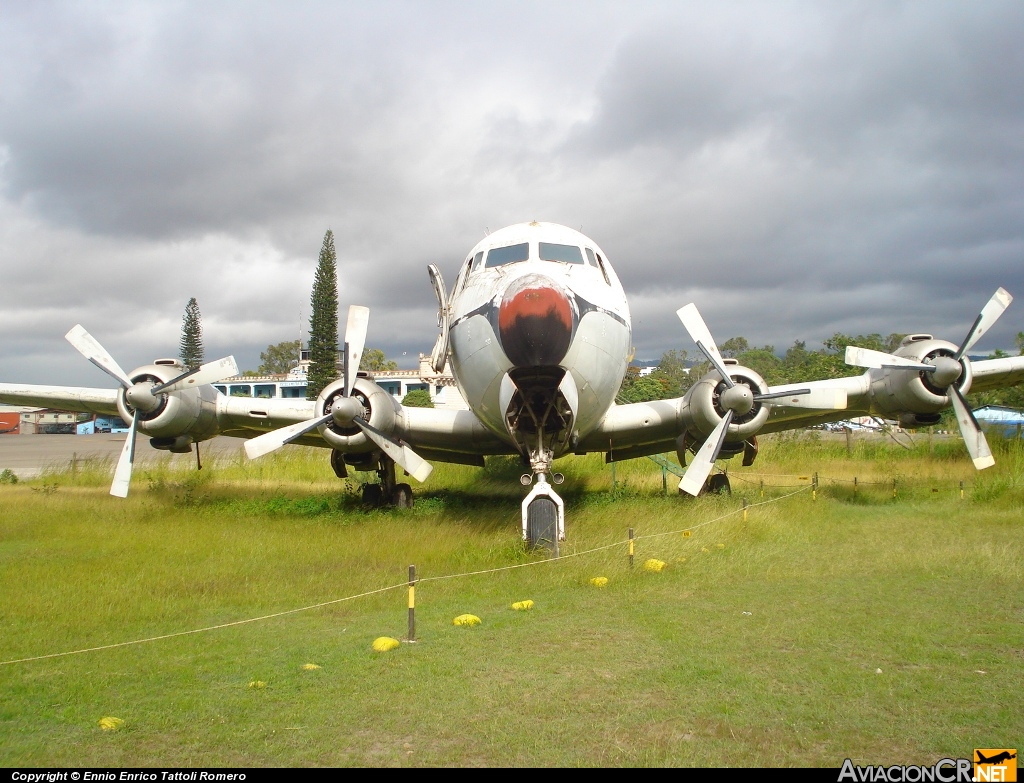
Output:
x=717 y=484
x=388 y=492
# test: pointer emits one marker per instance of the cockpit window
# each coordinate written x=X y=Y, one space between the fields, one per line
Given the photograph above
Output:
x=590 y=256
x=568 y=254
x=499 y=256
x=476 y=260
x=600 y=263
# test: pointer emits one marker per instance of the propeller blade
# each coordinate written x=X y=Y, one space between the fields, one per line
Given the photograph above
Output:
x=275 y=439
x=409 y=460
x=123 y=471
x=821 y=399
x=208 y=373
x=974 y=438
x=989 y=315
x=877 y=360
x=699 y=470
x=355 y=337
x=701 y=335
x=87 y=345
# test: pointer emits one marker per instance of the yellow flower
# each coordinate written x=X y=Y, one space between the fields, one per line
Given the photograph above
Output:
x=704 y=549
x=257 y=684
x=466 y=620
x=599 y=581
x=654 y=565
x=680 y=559
x=111 y=724
x=385 y=644
x=521 y=605
x=687 y=534
x=310 y=667
x=721 y=546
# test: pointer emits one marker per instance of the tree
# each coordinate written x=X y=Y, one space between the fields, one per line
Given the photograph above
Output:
x=734 y=346
x=1020 y=343
x=192 y=336
x=278 y=359
x=374 y=360
x=418 y=398
x=323 y=321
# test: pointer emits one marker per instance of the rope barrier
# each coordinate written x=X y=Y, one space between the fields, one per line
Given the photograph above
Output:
x=207 y=628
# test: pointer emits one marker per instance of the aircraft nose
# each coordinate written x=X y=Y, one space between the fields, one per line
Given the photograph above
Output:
x=535 y=322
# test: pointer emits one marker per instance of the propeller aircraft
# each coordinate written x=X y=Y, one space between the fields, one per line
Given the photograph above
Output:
x=537 y=332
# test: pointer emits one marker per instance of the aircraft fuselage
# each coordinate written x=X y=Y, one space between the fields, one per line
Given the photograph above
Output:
x=540 y=335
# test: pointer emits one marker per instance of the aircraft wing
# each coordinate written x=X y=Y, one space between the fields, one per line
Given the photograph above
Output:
x=437 y=434
x=65 y=398
x=643 y=428
x=997 y=373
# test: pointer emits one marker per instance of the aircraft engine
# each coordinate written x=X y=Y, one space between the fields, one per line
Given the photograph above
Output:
x=710 y=398
x=918 y=397
x=377 y=408
x=173 y=419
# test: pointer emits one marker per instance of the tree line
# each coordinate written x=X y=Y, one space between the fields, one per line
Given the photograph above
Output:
x=673 y=377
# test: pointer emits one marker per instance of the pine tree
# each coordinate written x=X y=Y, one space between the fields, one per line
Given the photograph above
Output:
x=323 y=321
x=192 y=336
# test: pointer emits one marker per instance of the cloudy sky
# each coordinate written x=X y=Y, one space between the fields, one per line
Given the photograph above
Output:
x=796 y=169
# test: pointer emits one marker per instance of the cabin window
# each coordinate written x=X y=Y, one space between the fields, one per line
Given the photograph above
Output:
x=567 y=254
x=511 y=254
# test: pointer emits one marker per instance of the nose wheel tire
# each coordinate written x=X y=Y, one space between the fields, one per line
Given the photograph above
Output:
x=542 y=523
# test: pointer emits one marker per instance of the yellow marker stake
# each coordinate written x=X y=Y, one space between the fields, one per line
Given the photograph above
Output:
x=412 y=603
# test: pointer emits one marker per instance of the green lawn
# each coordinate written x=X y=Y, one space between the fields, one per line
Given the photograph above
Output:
x=762 y=650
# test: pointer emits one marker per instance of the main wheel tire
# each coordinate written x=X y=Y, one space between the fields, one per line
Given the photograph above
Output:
x=718 y=484
x=402 y=496
x=373 y=495
x=542 y=522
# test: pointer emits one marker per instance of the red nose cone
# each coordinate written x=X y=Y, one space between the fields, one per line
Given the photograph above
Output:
x=535 y=322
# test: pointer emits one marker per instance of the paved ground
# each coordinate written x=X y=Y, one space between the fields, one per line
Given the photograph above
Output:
x=28 y=455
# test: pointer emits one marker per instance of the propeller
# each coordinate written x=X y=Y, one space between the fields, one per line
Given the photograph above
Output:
x=346 y=410
x=738 y=399
x=945 y=371
x=142 y=397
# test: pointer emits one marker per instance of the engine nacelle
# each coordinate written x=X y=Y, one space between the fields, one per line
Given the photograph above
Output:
x=380 y=411
x=703 y=410
x=914 y=396
x=189 y=414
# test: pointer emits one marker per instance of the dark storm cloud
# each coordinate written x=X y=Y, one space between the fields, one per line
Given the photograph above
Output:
x=796 y=169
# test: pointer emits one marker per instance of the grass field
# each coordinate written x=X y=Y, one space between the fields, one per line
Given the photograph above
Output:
x=884 y=629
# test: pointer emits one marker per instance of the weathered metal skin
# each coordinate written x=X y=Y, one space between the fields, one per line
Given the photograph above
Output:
x=379 y=409
x=895 y=392
x=190 y=413
x=703 y=409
